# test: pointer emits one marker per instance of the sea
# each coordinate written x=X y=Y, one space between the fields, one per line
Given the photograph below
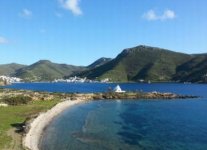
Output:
x=127 y=124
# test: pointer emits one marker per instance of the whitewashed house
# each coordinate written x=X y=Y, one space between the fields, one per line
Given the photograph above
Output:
x=118 y=89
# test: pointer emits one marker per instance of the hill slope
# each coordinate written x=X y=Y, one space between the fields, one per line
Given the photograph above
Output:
x=132 y=64
x=99 y=62
x=194 y=70
x=150 y=63
x=10 y=69
x=45 y=70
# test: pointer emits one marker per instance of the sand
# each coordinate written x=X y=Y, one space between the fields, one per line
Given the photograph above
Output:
x=31 y=140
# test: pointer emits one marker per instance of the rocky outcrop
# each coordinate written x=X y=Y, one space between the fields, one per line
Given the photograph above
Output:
x=17 y=94
x=2 y=83
x=128 y=95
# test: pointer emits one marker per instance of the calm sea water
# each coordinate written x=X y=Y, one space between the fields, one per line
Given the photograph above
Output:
x=128 y=124
x=190 y=89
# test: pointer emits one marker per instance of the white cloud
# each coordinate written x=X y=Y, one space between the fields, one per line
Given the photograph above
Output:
x=72 y=5
x=151 y=15
x=168 y=14
x=3 y=40
x=26 y=13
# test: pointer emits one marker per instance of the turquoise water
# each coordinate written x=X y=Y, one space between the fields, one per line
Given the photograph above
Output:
x=130 y=125
x=127 y=125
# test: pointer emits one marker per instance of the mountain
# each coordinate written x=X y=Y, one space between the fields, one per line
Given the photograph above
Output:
x=45 y=70
x=132 y=64
x=194 y=70
x=99 y=62
x=151 y=63
x=10 y=69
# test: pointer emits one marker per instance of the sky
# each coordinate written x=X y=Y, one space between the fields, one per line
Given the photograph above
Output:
x=80 y=31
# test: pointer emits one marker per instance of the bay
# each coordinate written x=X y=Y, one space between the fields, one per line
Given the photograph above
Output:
x=127 y=124
x=131 y=125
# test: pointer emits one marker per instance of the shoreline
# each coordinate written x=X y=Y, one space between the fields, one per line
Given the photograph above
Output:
x=36 y=127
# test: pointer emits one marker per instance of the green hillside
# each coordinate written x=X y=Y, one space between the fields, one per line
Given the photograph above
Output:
x=45 y=70
x=132 y=64
x=154 y=64
x=10 y=69
x=194 y=70
x=99 y=62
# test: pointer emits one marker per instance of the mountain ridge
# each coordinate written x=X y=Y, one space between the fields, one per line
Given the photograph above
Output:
x=147 y=63
x=45 y=70
x=130 y=65
x=9 y=69
x=99 y=62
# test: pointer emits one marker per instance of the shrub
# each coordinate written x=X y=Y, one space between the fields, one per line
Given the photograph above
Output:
x=17 y=100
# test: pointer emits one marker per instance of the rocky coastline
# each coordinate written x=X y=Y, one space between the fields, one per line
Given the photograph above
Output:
x=35 y=95
x=129 y=95
x=34 y=126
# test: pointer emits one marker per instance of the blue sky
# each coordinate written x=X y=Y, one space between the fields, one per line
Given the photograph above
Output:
x=81 y=31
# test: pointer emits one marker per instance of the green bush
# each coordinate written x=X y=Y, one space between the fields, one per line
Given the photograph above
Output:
x=17 y=100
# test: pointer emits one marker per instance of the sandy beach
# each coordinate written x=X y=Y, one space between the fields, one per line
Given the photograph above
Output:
x=31 y=140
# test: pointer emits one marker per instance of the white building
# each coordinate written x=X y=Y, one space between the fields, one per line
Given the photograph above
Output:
x=10 y=79
x=118 y=89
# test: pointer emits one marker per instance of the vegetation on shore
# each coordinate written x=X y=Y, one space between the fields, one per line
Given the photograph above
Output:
x=18 y=106
x=17 y=100
x=22 y=104
x=13 y=116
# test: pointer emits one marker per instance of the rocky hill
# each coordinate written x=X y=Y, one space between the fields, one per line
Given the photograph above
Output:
x=141 y=63
x=9 y=69
x=45 y=70
x=151 y=63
